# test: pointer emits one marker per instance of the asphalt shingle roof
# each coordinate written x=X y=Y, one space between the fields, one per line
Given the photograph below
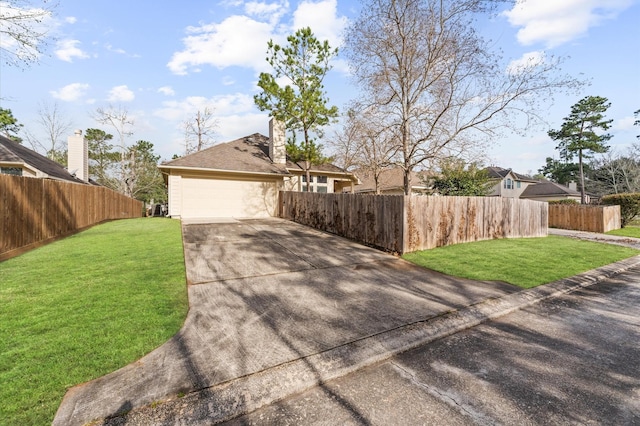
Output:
x=545 y=189
x=11 y=151
x=247 y=154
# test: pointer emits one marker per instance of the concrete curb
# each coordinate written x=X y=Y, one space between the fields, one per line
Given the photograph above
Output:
x=246 y=394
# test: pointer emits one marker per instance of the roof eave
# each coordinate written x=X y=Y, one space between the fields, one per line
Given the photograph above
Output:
x=224 y=171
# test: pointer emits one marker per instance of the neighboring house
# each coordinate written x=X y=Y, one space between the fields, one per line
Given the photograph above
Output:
x=19 y=160
x=390 y=182
x=242 y=178
x=509 y=184
x=514 y=185
x=551 y=191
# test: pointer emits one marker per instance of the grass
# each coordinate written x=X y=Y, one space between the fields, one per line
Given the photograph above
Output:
x=627 y=231
x=524 y=262
x=84 y=306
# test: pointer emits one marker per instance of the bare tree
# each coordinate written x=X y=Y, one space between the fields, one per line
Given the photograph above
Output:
x=55 y=127
x=364 y=144
x=23 y=31
x=441 y=88
x=199 y=131
x=119 y=120
x=614 y=173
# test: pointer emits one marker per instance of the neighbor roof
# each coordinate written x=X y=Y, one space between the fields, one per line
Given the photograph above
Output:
x=390 y=179
x=500 y=173
x=548 y=189
x=249 y=154
x=13 y=152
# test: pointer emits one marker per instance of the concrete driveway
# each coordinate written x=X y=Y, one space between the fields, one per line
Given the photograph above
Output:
x=275 y=309
x=569 y=360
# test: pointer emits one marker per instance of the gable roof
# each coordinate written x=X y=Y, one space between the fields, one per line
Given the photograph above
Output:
x=389 y=180
x=500 y=173
x=13 y=152
x=249 y=154
x=548 y=189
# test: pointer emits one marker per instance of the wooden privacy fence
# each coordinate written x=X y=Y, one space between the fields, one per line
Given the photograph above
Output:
x=34 y=211
x=404 y=224
x=584 y=217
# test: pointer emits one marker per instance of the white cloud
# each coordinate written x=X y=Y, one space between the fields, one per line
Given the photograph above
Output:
x=527 y=61
x=241 y=40
x=68 y=49
x=322 y=17
x=272 y=12
x=121 y=94
x=179 y=110
x=120 y=51
x=557 y=22
x=238 y=40
x=71 y=92
x=624 y=123
x=70 y=20
x=167 y=90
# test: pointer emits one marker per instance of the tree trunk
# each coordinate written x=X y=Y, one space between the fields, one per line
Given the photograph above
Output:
x=582 y=193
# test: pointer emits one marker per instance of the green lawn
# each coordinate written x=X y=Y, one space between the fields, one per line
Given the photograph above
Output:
x=525 y=262
x=628 y=231
x=84 y=306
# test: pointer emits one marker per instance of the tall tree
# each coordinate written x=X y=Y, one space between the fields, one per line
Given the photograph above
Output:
x=9 y=126
x=119 y=120
x=579 y=133
x=444 y=90
x=614 y=173
x=301 y=103
x=199 y=131
x=364 y=145
x=102 y=158
x=55 y=127
x=561 y=172
x=23 y=31
x=144 y=180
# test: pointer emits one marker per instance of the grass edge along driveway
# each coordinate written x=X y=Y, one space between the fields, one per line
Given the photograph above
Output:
x=524 y=262
x=84 y=306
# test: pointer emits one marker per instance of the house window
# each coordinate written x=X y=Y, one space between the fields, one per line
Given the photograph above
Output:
x=518 y=184
x=16 y=171
x=508 y=183
x=319 y=184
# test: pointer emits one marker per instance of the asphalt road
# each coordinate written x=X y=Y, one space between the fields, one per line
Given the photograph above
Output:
x=569 y=360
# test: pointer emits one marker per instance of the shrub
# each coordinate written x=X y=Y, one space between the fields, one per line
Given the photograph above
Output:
x=629 y=205
x=566 y=201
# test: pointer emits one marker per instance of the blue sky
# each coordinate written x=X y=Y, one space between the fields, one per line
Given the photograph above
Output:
x=163 y=61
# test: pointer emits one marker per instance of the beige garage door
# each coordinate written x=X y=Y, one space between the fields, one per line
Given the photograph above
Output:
x=202 y=198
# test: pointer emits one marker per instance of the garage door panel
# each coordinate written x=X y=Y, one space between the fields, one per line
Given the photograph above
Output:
x=228 y=198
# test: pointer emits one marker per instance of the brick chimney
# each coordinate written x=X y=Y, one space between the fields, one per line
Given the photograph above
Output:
x=78 y=156
x=277 y=149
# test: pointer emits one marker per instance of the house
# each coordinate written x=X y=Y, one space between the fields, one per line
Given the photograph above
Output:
x=16 y=159
x=514 y=185
x=551 y=191
x=242 y=178
x=508 y=183
x=390 y=182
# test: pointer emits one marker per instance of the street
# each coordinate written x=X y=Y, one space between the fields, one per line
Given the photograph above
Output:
x=574 y=359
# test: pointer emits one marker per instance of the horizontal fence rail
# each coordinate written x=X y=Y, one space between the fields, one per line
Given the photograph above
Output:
x=403 y=224
x=584 y=217
x=34 y=211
